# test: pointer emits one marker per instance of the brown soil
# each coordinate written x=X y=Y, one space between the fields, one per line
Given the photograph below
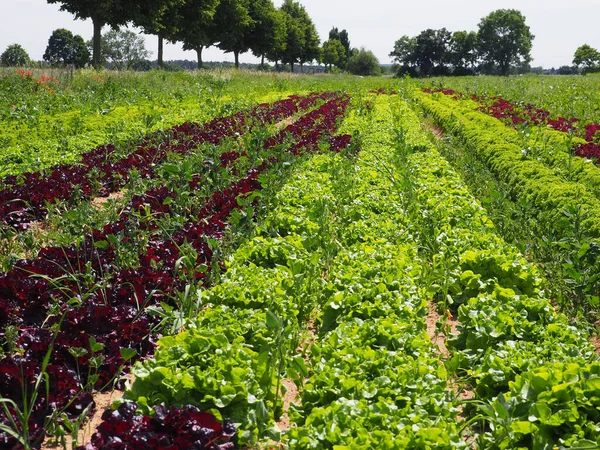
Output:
x=435 y=130
x=103 y=402
x=99 y=202
x=290 y=397
x=438 y=338
x=595 y=341
x=285 y=122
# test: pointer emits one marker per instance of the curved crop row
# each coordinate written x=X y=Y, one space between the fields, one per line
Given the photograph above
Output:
x=547 y=191
x=229 y=359
x=555 y=142
x=375 y=378
x=535 y=375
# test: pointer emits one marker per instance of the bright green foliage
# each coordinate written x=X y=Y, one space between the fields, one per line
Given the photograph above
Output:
x=343 y=37
x=549 y=406
x=463 y=52
x=268 y=32
x=544 y=188
x=504 y=39
x=211 y=371
x=303 y=44
x=14 y=56
x=123 y=48
x=193 y=24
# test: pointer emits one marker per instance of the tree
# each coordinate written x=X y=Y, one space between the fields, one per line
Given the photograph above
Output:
x=341 y=36
x=364 y=63
x=431 y=51
x=302 y=43
x=504 y=39
x=463 y=52
x=277 y=51
x=194 y=25
x=161 y=21
x=586 y=56
x=334 y=54
x=404 y=56
x=123 y=48
x=269 y=32
x=64 y=48
x=14 y=56
x=102 y=12
x=233 y=24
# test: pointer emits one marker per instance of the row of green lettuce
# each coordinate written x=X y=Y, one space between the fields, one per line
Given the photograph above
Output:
x=331 y=254
x=548 y=179
x=375 y=380
x=535 y=377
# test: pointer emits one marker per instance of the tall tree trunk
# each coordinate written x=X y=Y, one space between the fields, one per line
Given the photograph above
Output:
x=262 y=61
x=199 y=52
x=160 y=52
x=97 y=42
x=301 y=66
x=292 y=64
x=236 y=55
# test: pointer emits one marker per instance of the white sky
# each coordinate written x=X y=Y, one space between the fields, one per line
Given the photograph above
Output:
x=559 y=26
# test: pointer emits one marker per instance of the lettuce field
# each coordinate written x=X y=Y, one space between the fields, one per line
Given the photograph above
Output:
x=247 y=260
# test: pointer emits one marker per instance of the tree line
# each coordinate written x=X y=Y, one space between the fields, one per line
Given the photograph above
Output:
x=286 y=34
x=502 y=42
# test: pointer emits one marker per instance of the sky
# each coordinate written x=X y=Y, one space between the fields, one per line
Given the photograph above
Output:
x=559 y=26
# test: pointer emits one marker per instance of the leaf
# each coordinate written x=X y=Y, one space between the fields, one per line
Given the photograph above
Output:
x=101 y=244
x=272 y=321
x=127 y=353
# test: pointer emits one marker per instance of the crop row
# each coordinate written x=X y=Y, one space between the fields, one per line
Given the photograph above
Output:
x=536 y=375
x=548 y=191
x=100 y=172
x=101 y=315
x=561 y=143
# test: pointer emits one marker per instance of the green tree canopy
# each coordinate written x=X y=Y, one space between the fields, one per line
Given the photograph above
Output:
x=302 y=43
x=404 y=55
x=586 y=56
x=341 y=36
x=107 y=12
x=268 y=35
x=161 y=20
x=233 y=26
x=123 y=48
x=64 y=48
x=364 y=63
x=463 y=51
x=193 y=24
x=334 y=54
x=504 y=39
x=431 y=51
x=14 y=56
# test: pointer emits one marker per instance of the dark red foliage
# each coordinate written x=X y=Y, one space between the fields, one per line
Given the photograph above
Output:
x=100 y=172
x=168 y=429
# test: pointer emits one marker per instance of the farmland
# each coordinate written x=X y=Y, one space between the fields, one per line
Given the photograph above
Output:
x=271 y=261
